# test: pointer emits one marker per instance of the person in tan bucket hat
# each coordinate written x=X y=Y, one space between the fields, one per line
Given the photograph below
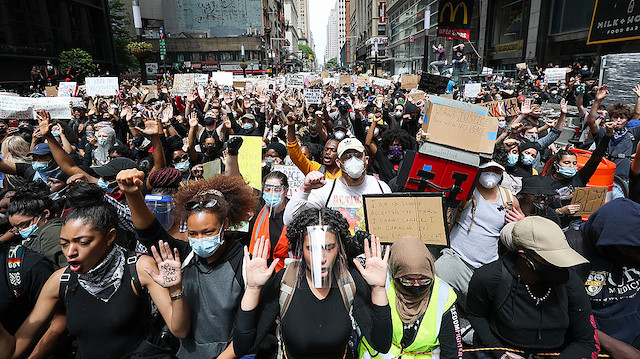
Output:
x=530 y=299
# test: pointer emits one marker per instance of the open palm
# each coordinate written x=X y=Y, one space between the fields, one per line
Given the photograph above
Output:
x=169 y=268
x=375 y=270
x=258 y=273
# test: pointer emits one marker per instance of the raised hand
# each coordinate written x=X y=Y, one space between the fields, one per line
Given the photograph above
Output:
x=169 y=268
x=258 y=273
x=375 y=272
x=151 y=127
x=636 y=90
x=191 y=96
x=526 y=107
x=610 y=127
x=131 y=180
x=193 y=119
x=602 y=93
x=563 y=106
x=44 y=122
x=313 y=180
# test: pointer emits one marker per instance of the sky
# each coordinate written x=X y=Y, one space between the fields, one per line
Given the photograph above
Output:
x=319 y=14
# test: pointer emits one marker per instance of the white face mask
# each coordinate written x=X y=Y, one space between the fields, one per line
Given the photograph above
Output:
x=276 y=128
x=489 y=179
x=354 y=167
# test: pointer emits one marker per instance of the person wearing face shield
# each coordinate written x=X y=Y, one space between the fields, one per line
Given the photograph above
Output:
x=212 y=268
x=423 y=310
x=476 y=229
x=343 y=194
x=530 y=299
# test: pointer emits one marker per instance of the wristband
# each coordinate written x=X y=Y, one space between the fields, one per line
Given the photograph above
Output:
x=177 y=296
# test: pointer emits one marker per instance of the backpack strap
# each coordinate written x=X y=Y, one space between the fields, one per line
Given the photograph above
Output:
x=132 y=259
x=65 y=281
x=288 y=286
x=14 y=269
x=503 y=289
x=323 y=170
x=507 y=197
x=326 y=204
x=347 y=290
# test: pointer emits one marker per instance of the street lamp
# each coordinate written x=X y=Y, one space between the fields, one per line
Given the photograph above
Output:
x=137 y=22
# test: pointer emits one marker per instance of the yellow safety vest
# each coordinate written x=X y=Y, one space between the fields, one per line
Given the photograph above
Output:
x=426 y=344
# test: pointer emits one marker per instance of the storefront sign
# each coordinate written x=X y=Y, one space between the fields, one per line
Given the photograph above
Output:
x=614 y=20
x=455 y=18
x=382 y=12
x=508 y=47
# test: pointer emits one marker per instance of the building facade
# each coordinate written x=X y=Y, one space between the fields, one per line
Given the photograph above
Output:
x=368 y=28
x=331 y=49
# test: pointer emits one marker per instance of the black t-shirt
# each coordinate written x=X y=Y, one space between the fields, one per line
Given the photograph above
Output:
x=36 y=269
x=25 y=170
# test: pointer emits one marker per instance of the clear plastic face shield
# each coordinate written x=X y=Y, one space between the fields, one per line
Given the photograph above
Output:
x=321 y=250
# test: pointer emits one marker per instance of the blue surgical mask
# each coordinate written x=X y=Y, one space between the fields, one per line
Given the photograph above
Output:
x=102 y=141
x=55 y=133
x=247 y=126
x=25 y=233
x=512 y=159
x=531 y=138
x=105 y=185
x=567 y=172
x=272 y=199
x=182 y=166
x=207 y=246
x=39 y=166
x=527 y=159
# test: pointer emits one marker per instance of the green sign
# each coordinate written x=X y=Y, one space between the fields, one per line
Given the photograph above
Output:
x=163 y=47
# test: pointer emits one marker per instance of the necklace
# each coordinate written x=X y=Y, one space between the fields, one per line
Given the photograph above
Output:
x=538 y=299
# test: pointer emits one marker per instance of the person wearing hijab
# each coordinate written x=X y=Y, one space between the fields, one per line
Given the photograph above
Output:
x=106 y=137
x=423 y=311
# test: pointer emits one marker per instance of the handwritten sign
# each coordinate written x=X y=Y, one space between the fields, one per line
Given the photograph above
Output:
x=409 y=82
x=345 y=80
x=67 y=89
x=508 y=107
x=51 y=91
x=457 y=128
x=239 y=84
x=13 y=107
x=250 y=160
x=211 y=168
x=222 y=78
x=376 y=81
x=182 y=83
x=416 y=96
x=295 y=81
x=433 y=83
x=554 y=75
x=295 y=177
x=57 y=107
x=102 y=86
x=363 y=81
x=313 y=96
x=24 y=108
x=589 y=199
x=472 y=90
x=391 y=216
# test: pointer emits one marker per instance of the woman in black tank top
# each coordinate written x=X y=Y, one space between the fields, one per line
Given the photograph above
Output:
x=103 y=299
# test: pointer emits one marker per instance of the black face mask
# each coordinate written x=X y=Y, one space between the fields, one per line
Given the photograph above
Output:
x=417 y=290
x=210 y=150
x=343 y=110
x=548 y=273
x=535 y=115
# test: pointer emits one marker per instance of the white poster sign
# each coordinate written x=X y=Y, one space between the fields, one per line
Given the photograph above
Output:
x=554 y=75
x=24 y=108
x=313 y=96
x=102 y=86
x=67 y=89
x=472 y=90
x=376 y=81
x=295 y=177
x=295 y=81
x=222 y=78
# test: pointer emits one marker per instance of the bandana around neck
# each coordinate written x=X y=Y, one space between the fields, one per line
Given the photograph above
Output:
x=618 y=135
x=103 y=280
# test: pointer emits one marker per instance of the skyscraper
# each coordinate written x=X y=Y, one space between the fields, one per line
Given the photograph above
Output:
x=332 y=49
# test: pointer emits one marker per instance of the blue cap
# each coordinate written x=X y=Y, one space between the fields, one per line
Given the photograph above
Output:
x=41 y=149
x=343 y=103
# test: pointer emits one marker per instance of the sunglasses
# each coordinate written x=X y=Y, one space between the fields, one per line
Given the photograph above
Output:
x=191 y=205
x=182 y=158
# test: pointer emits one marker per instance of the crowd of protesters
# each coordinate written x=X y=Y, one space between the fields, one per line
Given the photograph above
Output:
x=89 y=269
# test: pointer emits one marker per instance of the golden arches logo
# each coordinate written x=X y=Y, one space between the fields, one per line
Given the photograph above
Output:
x=453 y=11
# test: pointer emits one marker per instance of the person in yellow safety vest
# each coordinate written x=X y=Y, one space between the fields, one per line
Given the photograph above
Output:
x=423 y=311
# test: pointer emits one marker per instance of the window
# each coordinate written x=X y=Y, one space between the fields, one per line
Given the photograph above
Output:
x=571 y=15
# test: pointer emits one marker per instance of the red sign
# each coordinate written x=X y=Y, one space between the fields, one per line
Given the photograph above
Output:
x=411 y=38
x=382 y=12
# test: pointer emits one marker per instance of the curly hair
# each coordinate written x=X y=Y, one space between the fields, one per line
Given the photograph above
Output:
x=31 y=199
x=237 y=203
x=298 y=228
x=393 y=135
x=620 y=110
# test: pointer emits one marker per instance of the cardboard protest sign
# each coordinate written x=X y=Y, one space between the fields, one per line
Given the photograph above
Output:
x=393 y=215
x=295 y=177
x=239 y=84
x=313 y=96
x=555 y=75
x=416 y=96
x=295 y=81
x=67 y=89
x=465 y=106
x=363 y=80
x=182 y=83
x=345 y=80
x=222 y=78
x=508 y=107
x=409 y=82
x=51 y=91
x=250 y=160
x=471 y=131
x=324 y=75
x=102 y=86
x=211 y=168
x=376 y=81
x=472 y=90
x=202 y=82
x=589 y=199
x=433 y=83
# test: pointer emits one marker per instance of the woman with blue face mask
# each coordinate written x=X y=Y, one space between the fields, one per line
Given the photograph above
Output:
x=213 y=260
x=567 y=176
x=269 y=221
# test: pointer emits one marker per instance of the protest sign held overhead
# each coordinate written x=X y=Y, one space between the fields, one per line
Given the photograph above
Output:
x=313 y=96
x=102 y=86
x=433 y=84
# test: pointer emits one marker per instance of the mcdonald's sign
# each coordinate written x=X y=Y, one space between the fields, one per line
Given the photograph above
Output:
x=454 y=17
